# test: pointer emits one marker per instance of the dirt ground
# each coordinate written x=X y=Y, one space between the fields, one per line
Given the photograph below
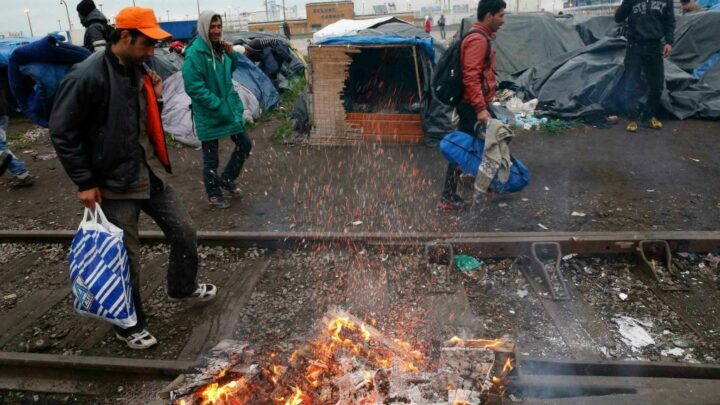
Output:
x=653 y=180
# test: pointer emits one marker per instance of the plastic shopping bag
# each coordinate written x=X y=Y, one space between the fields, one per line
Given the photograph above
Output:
x=99 y=271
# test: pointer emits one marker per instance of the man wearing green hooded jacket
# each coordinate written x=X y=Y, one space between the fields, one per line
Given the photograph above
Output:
x=216 y=106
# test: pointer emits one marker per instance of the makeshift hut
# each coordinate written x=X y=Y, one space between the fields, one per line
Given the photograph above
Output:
x=370 y=81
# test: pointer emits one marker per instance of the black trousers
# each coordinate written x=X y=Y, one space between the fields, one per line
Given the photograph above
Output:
x=645 y=75
x=468 y=119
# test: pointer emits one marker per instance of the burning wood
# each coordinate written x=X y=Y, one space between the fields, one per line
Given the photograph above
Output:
x=351 y=362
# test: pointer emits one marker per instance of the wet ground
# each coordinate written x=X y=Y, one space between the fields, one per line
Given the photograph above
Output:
x=612 y=180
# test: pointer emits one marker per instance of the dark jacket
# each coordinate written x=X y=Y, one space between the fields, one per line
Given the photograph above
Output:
x=478 y=74
x=648 y=20
x=95 y=124
x=96 y=29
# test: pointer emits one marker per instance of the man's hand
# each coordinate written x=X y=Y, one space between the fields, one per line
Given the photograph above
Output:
x=483 y=116
x=666 y=50
x=156 y=81
x=90 y=197
x=228 y=47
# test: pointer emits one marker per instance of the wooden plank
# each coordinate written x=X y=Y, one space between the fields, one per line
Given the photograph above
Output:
x=95 y=363
x=12 y=269
x=28 y=311
x=233 y=297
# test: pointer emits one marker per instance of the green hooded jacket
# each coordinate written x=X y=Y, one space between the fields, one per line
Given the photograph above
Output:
x=216 y=107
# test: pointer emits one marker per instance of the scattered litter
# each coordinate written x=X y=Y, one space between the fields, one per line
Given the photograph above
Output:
x=46 y=156
x=633 y=332
x=543 y=227
x=578 y=214
x=518 y=107
x=512 y=311
x=525 y=199
x=681 y=343
x=356 y=223
x=623 y=296
x=528 y=121
x=677 y=352
x=650 y=191
x=694 y=160
x=568 y=257
x=10 y=297
x=713 y=260
x=502 y=205
x=522 y=293
x=547 y=188
x=466 y=263
x=688 y=255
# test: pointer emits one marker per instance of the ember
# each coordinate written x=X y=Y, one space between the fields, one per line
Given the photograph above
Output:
x=351 y=362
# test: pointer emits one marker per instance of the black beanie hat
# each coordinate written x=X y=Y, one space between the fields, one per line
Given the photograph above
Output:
x=85 y=7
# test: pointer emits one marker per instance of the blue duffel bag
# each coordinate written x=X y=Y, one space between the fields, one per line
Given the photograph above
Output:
x=467 y=150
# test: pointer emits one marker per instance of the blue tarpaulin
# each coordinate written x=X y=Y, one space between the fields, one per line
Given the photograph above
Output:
x=8 y=45
x=708 y=3
x=35 y=71
x=425 y=44
x=255 y=80
x=700 y=71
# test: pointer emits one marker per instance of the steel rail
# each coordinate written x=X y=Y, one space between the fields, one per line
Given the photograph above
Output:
x=484 y=244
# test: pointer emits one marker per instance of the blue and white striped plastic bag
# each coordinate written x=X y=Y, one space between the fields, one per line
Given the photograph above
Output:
x=100 y=272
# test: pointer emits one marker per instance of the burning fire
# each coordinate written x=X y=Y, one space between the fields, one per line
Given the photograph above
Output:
x=347 y=348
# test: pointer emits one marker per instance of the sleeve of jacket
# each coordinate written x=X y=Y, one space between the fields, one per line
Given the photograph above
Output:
x=68 y=126
x=623 y=12
x=94 y=32
x=473 y=51
x=233 y=61
x=669 y=22
x=194 y=81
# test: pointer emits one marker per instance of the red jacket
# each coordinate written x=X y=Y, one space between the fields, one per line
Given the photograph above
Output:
x=478 y=93
x=428 y=26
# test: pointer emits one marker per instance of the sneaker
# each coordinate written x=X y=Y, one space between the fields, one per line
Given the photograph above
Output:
x=218 y=201
x=655 y=123
x=451 y=202
x=139 y=341
x=204 y=292
x=632 y=126
x=5 y=159
x=26 y=181
x=230 y=187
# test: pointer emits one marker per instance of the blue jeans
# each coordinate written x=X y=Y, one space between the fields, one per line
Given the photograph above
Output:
x=16 y=166
x=234 y=166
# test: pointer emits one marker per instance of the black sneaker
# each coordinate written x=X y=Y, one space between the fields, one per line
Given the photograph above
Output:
x=230 y=187
x=26 y=181
x=451 y=202
x=218 y=201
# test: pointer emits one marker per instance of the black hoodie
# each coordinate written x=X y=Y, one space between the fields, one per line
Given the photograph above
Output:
x=648 y=20
x=96 y=29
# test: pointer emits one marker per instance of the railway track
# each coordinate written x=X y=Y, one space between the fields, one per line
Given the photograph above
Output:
x=55 y=373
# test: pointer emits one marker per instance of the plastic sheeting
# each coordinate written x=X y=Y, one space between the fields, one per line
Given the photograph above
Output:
x=7 y=46
x=252 y=78
x=426 y=44
x=295 y=67
x=350 y=27
x=35 y=72
x=697 y=37
x=594 y=28
x=528 y=40
x=177 y=115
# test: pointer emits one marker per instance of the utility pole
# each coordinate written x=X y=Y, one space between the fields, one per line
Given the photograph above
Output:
x=27 y=13
x=100 y=5
x=59 y=25
x=68 y=14
x=168 y=15
x=198 y=5
x=284 y=19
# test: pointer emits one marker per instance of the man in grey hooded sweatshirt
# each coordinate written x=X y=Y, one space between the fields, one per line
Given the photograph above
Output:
x=216 y=106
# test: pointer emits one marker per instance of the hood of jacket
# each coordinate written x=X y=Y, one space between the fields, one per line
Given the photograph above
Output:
x=203 y=27
x=95 y=16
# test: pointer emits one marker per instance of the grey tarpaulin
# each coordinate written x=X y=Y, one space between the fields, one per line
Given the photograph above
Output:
x=593 y=28
x=289 y=70
x=528 y=40
x=590 y=80
x=697 y=36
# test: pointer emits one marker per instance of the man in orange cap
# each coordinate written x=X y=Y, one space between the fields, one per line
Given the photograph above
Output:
x=107 y=131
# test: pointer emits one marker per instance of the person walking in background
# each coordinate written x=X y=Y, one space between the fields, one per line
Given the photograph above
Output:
x=106 y=128
x=216 y=106
x=97 y=30
x=286 y=29
x=478 y=77
x=428 y=24
x=441 y=24
x=649 y=22
x=8 y=161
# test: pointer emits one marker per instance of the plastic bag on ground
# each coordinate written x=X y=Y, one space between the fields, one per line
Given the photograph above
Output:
x=100 y=272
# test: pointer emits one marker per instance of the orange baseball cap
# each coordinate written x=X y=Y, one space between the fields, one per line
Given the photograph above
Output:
x=141 y=19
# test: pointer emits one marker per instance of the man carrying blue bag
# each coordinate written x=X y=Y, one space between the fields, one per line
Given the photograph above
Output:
x=106 y=128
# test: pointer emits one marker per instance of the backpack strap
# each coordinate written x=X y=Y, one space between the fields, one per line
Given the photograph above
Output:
x=488 y=49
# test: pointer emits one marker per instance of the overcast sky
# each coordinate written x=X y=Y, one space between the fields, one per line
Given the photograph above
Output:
x=44 y=14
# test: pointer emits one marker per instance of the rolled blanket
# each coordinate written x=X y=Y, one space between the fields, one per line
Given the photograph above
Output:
x=35 y=72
